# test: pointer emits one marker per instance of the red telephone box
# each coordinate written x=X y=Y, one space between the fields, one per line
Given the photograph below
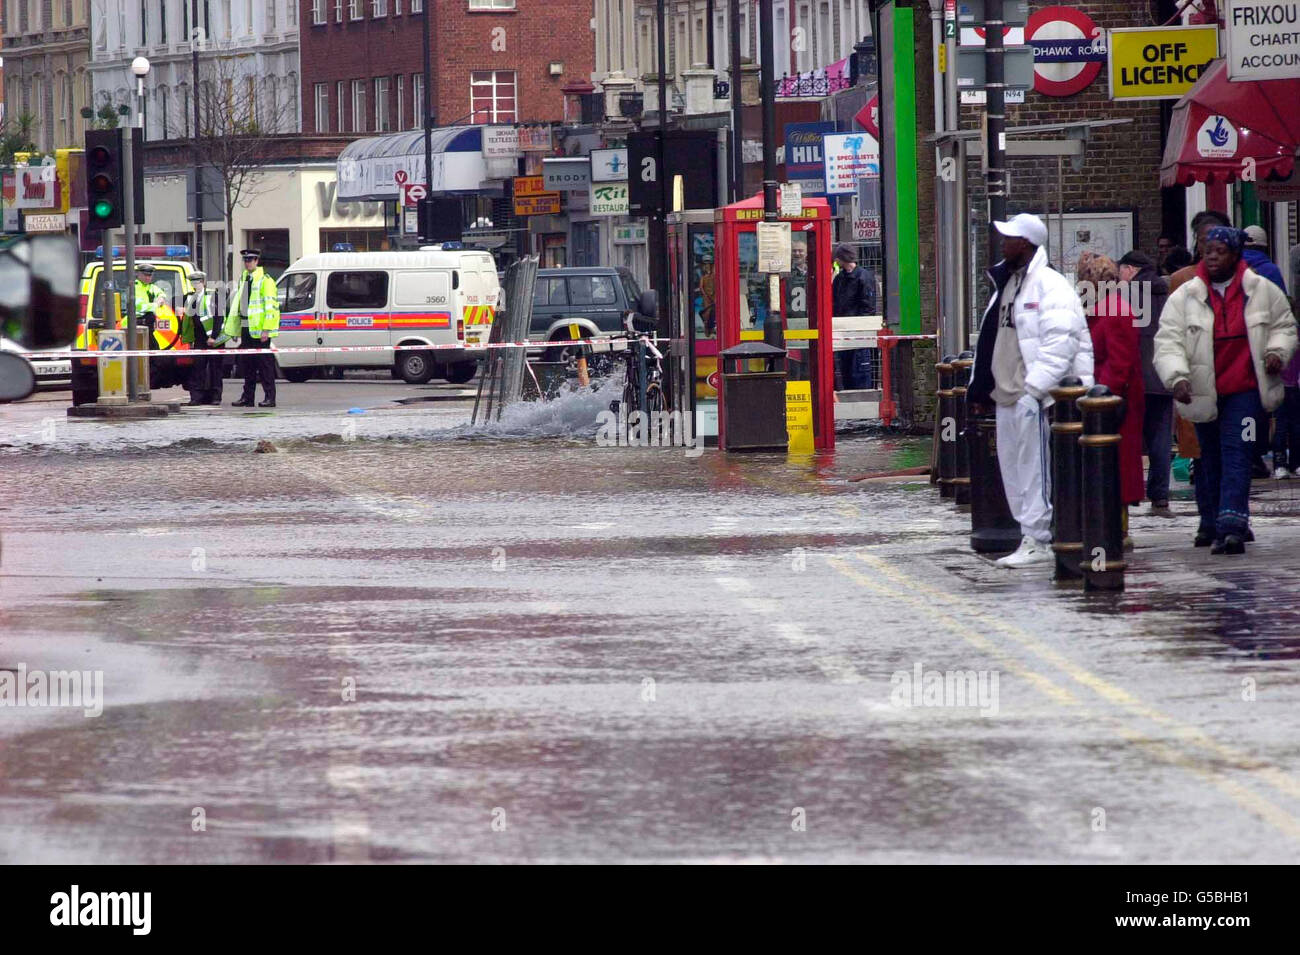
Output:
x=743 y=297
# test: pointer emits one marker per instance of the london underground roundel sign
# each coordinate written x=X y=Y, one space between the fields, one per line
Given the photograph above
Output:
x=1069 y=50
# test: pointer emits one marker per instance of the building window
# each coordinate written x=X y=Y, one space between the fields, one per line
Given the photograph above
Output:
x=492 y=96
x=784 y=39
x=292 y=19
x=491 y=4
x=270 y=15
x=164 y=113
x=339 y=93
x=162 y=22
x=338 y=11
x=317 y=12
x=322 y=107
x=417 y=100
x=358 y=106
x=824 y=34
x=144 y=23
x=378 y=8
x=383 y=120
x=354 y=10
x=397 y=8
x=801 y=59
x=400 y=84
x=65 y=109
x=417 y=6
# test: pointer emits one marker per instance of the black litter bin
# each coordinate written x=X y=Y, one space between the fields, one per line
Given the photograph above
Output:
x=753 y=402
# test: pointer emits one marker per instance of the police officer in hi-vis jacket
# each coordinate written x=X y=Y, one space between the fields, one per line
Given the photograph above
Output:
x=253 y=315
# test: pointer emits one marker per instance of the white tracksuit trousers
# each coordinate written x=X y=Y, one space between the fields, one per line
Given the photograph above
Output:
x=1024 y=458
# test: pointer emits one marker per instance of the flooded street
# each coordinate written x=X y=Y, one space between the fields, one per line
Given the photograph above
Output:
x=396 y=638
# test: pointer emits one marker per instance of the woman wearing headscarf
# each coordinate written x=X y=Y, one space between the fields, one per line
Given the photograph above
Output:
x=1117 y=360
x=1224 y=339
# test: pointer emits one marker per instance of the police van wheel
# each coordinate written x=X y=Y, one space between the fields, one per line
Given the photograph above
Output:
x=298 y=375
x=460 y=372
x=414 y=367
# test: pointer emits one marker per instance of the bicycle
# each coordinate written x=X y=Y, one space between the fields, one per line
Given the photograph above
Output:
x=643 y=381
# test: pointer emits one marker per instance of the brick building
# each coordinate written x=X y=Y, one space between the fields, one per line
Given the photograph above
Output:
x=494 y=61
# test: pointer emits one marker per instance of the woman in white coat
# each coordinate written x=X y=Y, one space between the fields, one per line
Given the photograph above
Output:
x=1224 y=338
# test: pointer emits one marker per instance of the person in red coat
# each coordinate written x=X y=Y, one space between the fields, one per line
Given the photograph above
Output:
x=1117 y=359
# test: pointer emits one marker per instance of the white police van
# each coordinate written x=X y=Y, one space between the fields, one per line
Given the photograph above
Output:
x=430 y=297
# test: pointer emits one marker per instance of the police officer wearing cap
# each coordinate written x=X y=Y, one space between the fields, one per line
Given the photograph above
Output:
x=254 y=315
x=204 y=380
x=147 y=296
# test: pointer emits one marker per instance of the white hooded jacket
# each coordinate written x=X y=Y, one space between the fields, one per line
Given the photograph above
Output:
x=1050 y=327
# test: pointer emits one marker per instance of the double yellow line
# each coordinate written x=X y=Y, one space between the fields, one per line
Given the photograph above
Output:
x=1190 y=744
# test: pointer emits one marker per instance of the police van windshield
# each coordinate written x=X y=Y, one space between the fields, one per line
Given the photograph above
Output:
x=168 y=279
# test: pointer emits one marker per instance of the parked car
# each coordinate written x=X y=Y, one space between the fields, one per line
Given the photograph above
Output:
x=50 y=372
x=594 y=298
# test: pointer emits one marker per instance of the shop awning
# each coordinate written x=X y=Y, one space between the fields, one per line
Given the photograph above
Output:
x=1217 y=126
x=369 y=169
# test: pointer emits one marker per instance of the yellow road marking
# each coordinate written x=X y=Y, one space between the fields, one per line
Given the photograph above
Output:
x=1188 y=734
x=1107 y=691
x=1047 y=687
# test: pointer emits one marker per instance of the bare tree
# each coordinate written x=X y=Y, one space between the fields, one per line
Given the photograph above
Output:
x=236 y=139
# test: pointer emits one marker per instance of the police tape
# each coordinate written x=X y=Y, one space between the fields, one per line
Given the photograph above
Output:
x=220 y=352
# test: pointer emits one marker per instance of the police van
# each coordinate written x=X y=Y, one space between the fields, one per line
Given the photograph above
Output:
x=430 y=297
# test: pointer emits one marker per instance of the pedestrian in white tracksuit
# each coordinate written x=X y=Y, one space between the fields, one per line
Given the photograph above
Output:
x=1034 y=333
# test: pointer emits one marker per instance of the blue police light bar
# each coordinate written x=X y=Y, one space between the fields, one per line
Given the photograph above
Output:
x=342 y=247
x=149 y=251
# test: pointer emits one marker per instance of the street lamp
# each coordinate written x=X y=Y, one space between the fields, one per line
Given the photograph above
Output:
x=140 y=67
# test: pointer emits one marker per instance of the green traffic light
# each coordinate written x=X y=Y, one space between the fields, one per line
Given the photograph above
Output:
x=103 y=209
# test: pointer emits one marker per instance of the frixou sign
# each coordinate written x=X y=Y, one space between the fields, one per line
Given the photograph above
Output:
x=1262 y=39
x=1159 y=62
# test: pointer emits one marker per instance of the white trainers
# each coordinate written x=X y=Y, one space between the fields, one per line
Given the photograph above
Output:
x=1281 y=474
x=1029 y=552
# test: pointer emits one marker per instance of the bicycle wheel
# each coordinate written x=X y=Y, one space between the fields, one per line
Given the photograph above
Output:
x=655 y=399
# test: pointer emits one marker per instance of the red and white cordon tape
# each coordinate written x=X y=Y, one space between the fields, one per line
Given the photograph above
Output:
x=220 y=352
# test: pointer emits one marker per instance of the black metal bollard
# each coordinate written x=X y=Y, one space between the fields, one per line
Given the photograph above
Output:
x=961 y=470
x=992 y=528
x=1102 y=560
x=947 y=428
x=1067 y=478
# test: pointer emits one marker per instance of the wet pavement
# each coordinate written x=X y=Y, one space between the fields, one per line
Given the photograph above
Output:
x=409 y=640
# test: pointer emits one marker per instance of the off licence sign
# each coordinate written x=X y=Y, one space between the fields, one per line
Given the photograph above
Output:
x=1159 y=62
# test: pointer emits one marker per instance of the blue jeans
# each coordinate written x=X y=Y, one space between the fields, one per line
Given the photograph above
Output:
x=855 y=368
x=1223 y=476
x=1286 y=432
x=1157 y=437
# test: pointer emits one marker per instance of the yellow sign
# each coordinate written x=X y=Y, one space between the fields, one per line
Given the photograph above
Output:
x=799 y=416
x=943 y=58
x=530 y=186
x=548 y=205
x=809 y=212
x=1159 y=62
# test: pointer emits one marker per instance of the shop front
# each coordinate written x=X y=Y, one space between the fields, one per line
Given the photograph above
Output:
x=286 y=211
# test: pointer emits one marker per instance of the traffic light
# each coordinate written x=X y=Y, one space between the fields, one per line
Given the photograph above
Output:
x=439 y=219
x=104 y=178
